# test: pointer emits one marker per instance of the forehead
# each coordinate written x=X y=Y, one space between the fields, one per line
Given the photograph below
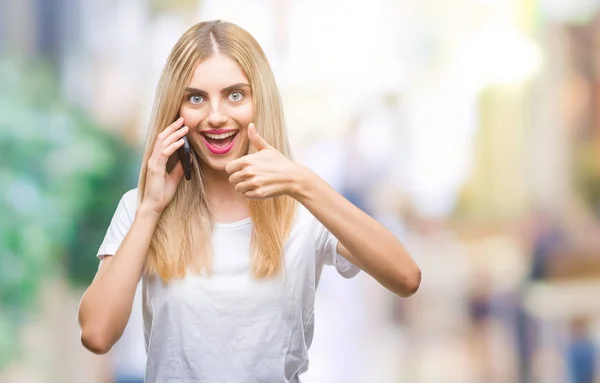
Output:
x=218 y=71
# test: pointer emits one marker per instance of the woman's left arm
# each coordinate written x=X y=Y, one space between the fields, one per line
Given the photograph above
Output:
x=362 y=240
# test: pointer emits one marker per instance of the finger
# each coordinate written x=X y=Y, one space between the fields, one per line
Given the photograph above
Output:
x=247 y=173
x=244 y=187
x=238 y=177
x=236 y=165
x=171 y=128
x=161 y=156
x=169 y=150
x=256 y=140
x=163 y=143
x=176 y=135
x=262 y=192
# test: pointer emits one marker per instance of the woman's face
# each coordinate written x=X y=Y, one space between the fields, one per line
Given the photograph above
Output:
x=217 y=107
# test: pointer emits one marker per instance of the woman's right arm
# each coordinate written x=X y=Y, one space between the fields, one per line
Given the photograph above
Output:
x=105 y=307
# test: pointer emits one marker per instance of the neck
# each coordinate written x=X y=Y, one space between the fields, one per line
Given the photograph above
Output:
x=227 y=205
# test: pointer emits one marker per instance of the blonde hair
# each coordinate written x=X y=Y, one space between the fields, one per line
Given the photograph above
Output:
x=181 y=241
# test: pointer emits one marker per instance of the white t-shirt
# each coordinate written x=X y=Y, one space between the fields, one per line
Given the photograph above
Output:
x=230 y=327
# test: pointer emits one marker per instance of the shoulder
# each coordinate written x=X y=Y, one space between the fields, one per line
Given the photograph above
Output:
x=129 y=202
x=131 y=197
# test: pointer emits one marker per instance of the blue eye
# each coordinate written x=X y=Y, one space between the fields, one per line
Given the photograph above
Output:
x=236 y=96
x=195 y=99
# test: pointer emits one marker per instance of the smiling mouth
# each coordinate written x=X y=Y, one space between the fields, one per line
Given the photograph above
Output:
x=220 y=140
x=219 y=143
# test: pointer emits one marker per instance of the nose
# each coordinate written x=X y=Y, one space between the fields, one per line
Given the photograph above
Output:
x=216 y=117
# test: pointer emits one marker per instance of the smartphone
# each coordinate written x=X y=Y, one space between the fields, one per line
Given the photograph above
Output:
x=185 y=152
x=182 y=154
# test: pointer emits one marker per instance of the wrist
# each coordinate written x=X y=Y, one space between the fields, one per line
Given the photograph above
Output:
x=302 y=184
x=146 y=211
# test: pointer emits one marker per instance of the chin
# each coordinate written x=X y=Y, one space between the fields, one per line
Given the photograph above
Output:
x=219 y=162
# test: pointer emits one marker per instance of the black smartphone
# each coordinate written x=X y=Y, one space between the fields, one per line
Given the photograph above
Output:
x=185 y=152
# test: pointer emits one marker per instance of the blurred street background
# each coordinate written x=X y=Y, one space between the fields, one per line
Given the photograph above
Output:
x=470 y=128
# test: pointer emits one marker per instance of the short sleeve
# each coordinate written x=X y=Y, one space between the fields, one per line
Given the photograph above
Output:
x=327 y=253
x=119 y=224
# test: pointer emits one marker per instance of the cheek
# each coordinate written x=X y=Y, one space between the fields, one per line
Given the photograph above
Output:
x=243 y=114
x=243 y=141
x=191 y=116
x=242 y=144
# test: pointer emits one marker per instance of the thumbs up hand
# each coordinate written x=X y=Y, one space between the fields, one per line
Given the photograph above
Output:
x=256 y=140
x=264 y=174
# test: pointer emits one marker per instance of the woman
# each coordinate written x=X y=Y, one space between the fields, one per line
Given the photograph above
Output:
x=231 y=259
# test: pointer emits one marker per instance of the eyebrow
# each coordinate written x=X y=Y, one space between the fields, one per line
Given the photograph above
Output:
x=223 y=91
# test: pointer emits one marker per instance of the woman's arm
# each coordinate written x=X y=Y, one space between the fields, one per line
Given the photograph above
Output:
x=362 y=240
x=106 y=305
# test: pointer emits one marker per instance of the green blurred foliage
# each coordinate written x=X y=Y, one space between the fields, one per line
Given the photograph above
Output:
x=61 y=177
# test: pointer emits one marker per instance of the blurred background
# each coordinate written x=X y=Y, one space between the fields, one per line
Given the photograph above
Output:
x=470 y=128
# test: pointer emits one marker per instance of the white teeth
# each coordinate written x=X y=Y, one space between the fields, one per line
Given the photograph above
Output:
x=220 y=136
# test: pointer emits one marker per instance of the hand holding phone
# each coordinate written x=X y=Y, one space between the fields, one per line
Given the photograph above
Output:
x=161 y=184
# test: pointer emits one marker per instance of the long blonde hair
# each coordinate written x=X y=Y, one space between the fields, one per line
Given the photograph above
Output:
x=181 y=241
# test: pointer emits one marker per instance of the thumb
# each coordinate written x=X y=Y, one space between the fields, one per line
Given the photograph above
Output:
x=256 y=140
